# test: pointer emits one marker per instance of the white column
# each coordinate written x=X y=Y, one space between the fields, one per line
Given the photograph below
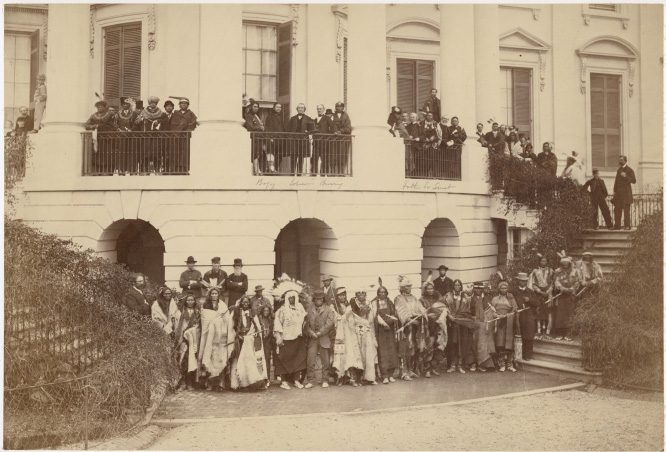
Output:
x=67 y=75
x=368 y=105
x=220 y=140
x=487 y=71
x=69 y=95
x=458 y=81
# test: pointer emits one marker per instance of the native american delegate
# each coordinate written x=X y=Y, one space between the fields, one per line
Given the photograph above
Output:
x=266 y=319
x=541 y=283
x=164 y=310
x=386 y=325
x=365 y=335
x=291 y=354
x=461 y=325
x=506 y=326
x=590 y=272
x=567 y=284
x=414 y=339
x=484 y=341
x=346 y=352
x=217 y=340
x=437 y=311
x=187 y=340
x=248 y=369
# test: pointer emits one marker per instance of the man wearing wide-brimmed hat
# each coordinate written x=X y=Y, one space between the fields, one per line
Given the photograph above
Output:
x=443 y=284
x=190 y=279
x=236 y=283
x=328 y=286
x=260 y=301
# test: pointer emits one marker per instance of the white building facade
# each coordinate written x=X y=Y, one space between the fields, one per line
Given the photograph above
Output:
x=586 y=77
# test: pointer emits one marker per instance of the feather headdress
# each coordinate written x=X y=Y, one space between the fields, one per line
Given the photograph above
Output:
x=286 y=284
x=428 y=280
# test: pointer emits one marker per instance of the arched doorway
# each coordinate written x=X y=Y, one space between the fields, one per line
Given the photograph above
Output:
x=137 y=244
x=441 y=245
x=299 y=247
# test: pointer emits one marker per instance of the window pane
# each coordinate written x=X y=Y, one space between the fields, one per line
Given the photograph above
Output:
x=9 y=70
x=597 y=107
x=9 y=94
x=253 y=64
x=269 y=38
x=245 y=35
x=23 y=47
x=22 y=94
x=253 y=37
x=613 y=110
x=506 y=97
x=596 y=81
x=269 y=88
x=10 y=45
x=269 y=63
x=22 y=73
x=598 y=151
x=252 y=86
x=612 y=149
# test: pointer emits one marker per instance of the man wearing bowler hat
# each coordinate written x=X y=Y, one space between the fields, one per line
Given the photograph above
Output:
x=443 y=284
x=259 y=301
x=236 y=283
x=190 y=279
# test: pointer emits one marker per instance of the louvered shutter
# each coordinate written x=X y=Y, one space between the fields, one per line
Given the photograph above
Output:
x=424 y=81
x=34 y=61
x=522 y=100
x=122 y=62
x=605 y=112
x=406 y=82
x=284 y=67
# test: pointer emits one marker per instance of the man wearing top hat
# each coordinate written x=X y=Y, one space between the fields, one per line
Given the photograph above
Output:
x=526 y=301
x=319 y=323
x=236 y=283
x=215 y=277
x=259 y=301
x=190 y=279
x=328 y=289
x=443 y=284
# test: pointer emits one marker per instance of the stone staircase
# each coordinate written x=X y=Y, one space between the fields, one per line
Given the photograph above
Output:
x=559 y=358
x=607 y=246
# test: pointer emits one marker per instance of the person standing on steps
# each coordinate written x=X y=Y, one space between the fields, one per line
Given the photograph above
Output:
x=622 y=194
x=598 y=193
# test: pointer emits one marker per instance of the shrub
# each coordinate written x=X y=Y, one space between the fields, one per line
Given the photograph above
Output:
x=90 y=360
x=622 y=325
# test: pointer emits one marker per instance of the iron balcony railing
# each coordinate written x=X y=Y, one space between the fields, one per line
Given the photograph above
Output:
x=426 y=160
x=301 y=154
x=136 y=153
x=644 y=205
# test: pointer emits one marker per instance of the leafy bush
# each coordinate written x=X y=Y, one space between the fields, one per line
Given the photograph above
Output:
x=17 y=149
x=622 y=325
x=73 y=355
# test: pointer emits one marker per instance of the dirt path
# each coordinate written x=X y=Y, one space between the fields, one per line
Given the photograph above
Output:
x=573 y=420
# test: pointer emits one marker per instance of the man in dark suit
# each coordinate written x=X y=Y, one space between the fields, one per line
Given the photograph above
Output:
x=190 y=279
x=319 y=323
x=165 y=122
x=342 y=126
x=298 y=147
x=443 y=284
x=495 y=140
x=622 y=195
x=598 y=194
x=135 y=300
x=433 y=105
x=321 y=149
x=546 y=160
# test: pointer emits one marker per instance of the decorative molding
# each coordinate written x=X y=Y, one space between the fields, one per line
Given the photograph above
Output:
x=339 y=38
x=619 y=14
x=388 y=58
x=30 y=9
x=536 y=11
x=526 y=41
x=294 y=11
x=626 y=50
x=586 y=19
x=583 y=75
x=625 y=23
x=91 y=31
x=542 y=72
x=630 y=81
x=152 y=25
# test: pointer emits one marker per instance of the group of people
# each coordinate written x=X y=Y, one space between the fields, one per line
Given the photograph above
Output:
x=122 y=153
x=225 y=338
x=302 y=145
x=30 y=120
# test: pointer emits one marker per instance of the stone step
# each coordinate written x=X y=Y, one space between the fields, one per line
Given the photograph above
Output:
x=560 y=370
x=557 y=357
x=556 y=348
x=605 y=234
x=610 y=243
x=600 y=253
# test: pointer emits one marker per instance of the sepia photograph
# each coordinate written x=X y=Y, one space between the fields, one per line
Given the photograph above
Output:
x=325 y=226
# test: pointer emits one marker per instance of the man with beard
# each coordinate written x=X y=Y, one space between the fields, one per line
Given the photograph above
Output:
x=320 y=322
x=215 y=277
x=443 y=284
x=135 y=300
x=236 y=283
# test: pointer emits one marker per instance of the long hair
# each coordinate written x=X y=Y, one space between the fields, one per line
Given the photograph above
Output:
x=459 y=282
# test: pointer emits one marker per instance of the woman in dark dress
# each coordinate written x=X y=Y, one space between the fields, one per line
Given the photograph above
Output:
x=386 y=323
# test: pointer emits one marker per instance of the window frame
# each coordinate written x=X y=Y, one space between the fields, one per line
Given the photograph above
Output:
x=103 y=53
x=533 y=94
x=610 y=167
x=415 y=58
x=265 y=103
x=27 y=34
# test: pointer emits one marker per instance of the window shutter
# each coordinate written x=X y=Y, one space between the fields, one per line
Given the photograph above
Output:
x=424 y=81
x=34 y=61
x=605 y=113
x=131 y=61
x=522 y=100
x=122 y=62
x=284 y=66
x=405 y=76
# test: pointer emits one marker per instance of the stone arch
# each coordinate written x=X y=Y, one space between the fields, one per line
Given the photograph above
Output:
x=135 y=243
x=404 y=28
x=440 y=242
x=304 y=249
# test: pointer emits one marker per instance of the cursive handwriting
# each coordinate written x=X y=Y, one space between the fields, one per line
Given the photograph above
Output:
x=428 y=185
x=266 y=184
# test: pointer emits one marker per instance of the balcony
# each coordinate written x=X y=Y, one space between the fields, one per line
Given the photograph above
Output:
x=299 y=154
x=424 y=160
x=136 y=153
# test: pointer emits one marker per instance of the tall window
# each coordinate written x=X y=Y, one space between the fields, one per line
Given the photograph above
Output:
x=17 y=73
x=516 y=99
x=260 y=68
x=605 y=115
x=415 y=80
x=122 y=62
